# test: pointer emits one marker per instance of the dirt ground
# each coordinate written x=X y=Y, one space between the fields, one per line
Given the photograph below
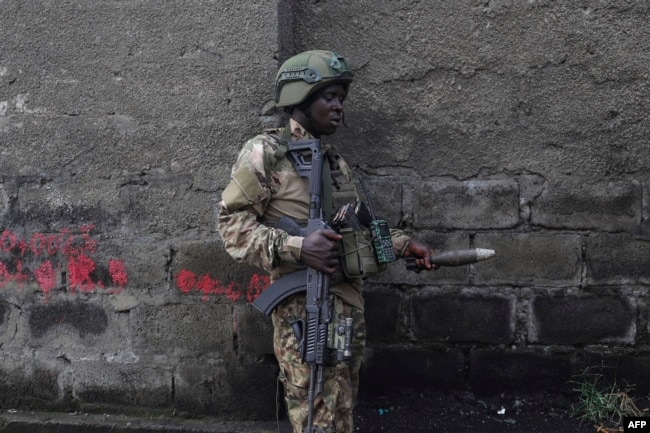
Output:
x=463 y=412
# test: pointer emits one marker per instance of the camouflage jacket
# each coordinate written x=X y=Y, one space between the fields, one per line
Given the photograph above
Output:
x=264 y=188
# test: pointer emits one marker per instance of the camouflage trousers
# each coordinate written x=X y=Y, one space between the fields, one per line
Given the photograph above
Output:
x=333 y=407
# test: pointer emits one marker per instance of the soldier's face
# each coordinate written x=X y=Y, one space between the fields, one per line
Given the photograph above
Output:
x=327 y=110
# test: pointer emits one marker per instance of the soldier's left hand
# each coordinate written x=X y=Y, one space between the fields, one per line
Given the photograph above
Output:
x=422 y=253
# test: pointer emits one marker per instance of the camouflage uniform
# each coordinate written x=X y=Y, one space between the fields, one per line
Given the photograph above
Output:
x=265 y=187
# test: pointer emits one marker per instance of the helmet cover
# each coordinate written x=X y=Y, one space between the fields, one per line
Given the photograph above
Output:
x=305 y=73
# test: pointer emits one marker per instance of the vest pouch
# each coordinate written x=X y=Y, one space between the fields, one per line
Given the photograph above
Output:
x=358 y=259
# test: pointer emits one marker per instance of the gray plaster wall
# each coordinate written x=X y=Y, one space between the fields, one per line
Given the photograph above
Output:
x=517 y=126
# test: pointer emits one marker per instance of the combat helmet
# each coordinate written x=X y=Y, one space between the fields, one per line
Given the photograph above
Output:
x=305 y=73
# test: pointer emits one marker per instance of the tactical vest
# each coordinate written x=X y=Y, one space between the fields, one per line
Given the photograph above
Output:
x=358 y=258
x=337 y=190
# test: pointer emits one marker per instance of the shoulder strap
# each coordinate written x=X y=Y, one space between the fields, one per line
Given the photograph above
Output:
x=284 y=143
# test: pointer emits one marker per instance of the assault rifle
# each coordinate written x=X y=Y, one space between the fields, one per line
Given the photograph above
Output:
x=312 y=331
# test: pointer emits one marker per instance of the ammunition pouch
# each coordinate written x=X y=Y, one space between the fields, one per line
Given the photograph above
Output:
x=358 y=258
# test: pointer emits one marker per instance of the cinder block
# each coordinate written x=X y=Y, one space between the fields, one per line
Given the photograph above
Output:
x=387 y=368
x=27 y=383
x=617 y=259
x=82 y=328
x=122 y=384
x=199 y=257
x=78 y=259
x=144 y=264
x=214 y=274
x=142 y=194
x=84 y=319
x=183 y=328
x=572 y=203
x=462 y=317
x=254 y=330
x=67 y=201
x=587 y=319
x=383 y=314
x=492 y=370
x=547 y=259
x=475 y=204
x=230 y=388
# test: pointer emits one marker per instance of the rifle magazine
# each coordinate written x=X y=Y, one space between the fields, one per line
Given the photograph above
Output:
x=281 y=290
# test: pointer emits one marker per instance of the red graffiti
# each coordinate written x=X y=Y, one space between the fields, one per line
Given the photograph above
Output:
x=6 y=276
x=7 y=241
x=187 y=281
x=66 y=246
x=118 y=274
x=209 y=286
x=40 y=243
x=46 y=278
x=79 y=270
x=19 y=276
x=256 y=285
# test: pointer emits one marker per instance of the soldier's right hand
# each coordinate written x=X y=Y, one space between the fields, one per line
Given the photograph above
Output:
x=320 y=251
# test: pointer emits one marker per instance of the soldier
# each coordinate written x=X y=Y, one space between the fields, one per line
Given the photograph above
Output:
x=311 y=87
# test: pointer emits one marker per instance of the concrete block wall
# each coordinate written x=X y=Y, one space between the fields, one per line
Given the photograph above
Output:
x=528 y=319
x=520 y=127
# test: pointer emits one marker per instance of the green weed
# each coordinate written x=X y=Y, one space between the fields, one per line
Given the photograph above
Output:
x=600 y=401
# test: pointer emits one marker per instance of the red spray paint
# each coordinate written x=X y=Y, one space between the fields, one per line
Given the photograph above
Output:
x=118 y=274
x=187 y=281
x=46 y=278
x=77 y=250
